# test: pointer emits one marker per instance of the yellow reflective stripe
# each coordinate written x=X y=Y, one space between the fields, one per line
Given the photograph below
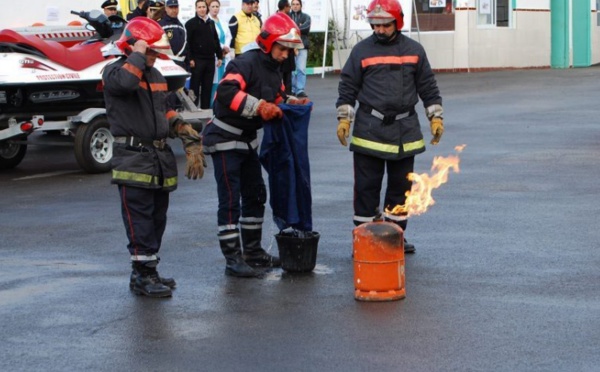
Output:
x=382 y=147
x=172 y=181
x=375 y=145
x=131 y=176
x=412 y=146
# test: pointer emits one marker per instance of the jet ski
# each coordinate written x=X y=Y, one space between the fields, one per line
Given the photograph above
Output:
x=44 y=77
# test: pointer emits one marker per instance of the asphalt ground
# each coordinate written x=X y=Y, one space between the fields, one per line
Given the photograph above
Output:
x=505 y=278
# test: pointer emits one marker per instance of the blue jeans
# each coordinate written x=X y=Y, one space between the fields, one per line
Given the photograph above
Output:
x=299 y=78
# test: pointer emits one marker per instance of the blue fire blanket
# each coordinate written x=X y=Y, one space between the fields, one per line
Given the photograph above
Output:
x=284 y=154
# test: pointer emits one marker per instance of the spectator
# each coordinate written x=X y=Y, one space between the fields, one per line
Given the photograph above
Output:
x=244 y=27
x=224 y=39
x=303 y=21
x=203 y=41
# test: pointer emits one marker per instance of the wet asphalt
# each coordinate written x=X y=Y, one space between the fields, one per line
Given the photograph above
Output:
x=505 y=278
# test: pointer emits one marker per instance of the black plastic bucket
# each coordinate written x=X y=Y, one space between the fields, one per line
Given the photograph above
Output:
x=298 y=253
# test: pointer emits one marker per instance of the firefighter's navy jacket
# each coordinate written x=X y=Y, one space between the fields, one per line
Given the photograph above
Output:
x=136 y=106
x=387 y=80
x=248 y=78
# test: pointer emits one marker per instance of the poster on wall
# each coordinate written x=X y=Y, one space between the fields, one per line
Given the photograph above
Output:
x=485 y=7
x=358 y=14
x=437 y=3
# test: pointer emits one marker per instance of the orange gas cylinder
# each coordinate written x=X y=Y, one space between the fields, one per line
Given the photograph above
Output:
x=378 y=262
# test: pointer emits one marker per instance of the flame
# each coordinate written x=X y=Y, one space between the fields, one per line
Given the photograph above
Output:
x=419 y=198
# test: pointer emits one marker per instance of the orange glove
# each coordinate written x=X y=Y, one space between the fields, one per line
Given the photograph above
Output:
x=268 y=111
x=298 y=101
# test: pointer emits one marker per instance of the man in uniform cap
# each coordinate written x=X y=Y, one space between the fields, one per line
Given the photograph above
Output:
x=110 y=7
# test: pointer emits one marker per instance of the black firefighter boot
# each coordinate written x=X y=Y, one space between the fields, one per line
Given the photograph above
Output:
x=147 y=281
x=232 y=250
x=254 y=254
x=169 y=282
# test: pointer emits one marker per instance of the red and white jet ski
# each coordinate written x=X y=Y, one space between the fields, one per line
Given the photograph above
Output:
x=44 y=77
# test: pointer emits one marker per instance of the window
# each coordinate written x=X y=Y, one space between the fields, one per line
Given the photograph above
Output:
x=434 y=15
x=493 y=13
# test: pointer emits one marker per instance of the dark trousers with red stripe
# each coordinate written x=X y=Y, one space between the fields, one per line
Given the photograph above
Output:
x=368 y=178
x=145 y=217
x=201 y=81
x=239 y=177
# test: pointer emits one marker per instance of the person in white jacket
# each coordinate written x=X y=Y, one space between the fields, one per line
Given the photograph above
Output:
x=224 y=39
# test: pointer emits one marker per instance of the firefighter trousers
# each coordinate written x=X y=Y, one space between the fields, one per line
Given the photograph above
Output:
x=144 y=214
x=368 y=178
x=239 y=178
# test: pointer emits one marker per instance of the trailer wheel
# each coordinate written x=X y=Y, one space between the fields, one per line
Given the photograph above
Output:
x=11 y=153
x=93 y=146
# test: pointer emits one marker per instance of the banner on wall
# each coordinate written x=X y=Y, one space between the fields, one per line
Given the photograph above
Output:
x=358 y=14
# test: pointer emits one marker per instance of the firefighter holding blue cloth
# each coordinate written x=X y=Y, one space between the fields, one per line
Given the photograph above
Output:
x=386 y=73
x=246 y=97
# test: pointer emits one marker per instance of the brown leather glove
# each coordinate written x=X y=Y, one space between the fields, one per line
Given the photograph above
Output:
x=195 y=161
x=298 y=101
x=268 y=111
x=343 y=130
x=437 y=129
x=186 y=133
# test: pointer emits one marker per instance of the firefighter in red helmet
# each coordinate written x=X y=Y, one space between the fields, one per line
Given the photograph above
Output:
x=144 y=166
x=386 y=73
x=246 y=97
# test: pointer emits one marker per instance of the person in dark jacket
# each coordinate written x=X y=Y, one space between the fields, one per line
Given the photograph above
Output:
x=247 y=95
x=386 y=73
x=139 y=11
x=175 y=32
x=203 y=41
x=144 y=166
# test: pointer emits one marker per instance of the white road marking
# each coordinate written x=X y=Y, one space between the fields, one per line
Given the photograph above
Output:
x=44 y=175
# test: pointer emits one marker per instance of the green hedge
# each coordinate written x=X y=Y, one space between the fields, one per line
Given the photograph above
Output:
x=315 y=52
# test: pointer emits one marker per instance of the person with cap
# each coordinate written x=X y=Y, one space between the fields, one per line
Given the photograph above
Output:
x=175 y=32
x=139 y=11
x=144 y=166
x=303 y=21
x=386 y=73
x=110 y=7
x=244 y=27
x=246 y=97
x=205 y=49
x=156 y=10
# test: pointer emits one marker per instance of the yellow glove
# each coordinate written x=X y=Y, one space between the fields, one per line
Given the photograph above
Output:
x=437 y=129
x=343 y=130
x=195 y=161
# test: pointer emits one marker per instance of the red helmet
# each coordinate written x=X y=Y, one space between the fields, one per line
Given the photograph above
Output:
x=279 y=28
x=143 y=28
x=385 y=11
